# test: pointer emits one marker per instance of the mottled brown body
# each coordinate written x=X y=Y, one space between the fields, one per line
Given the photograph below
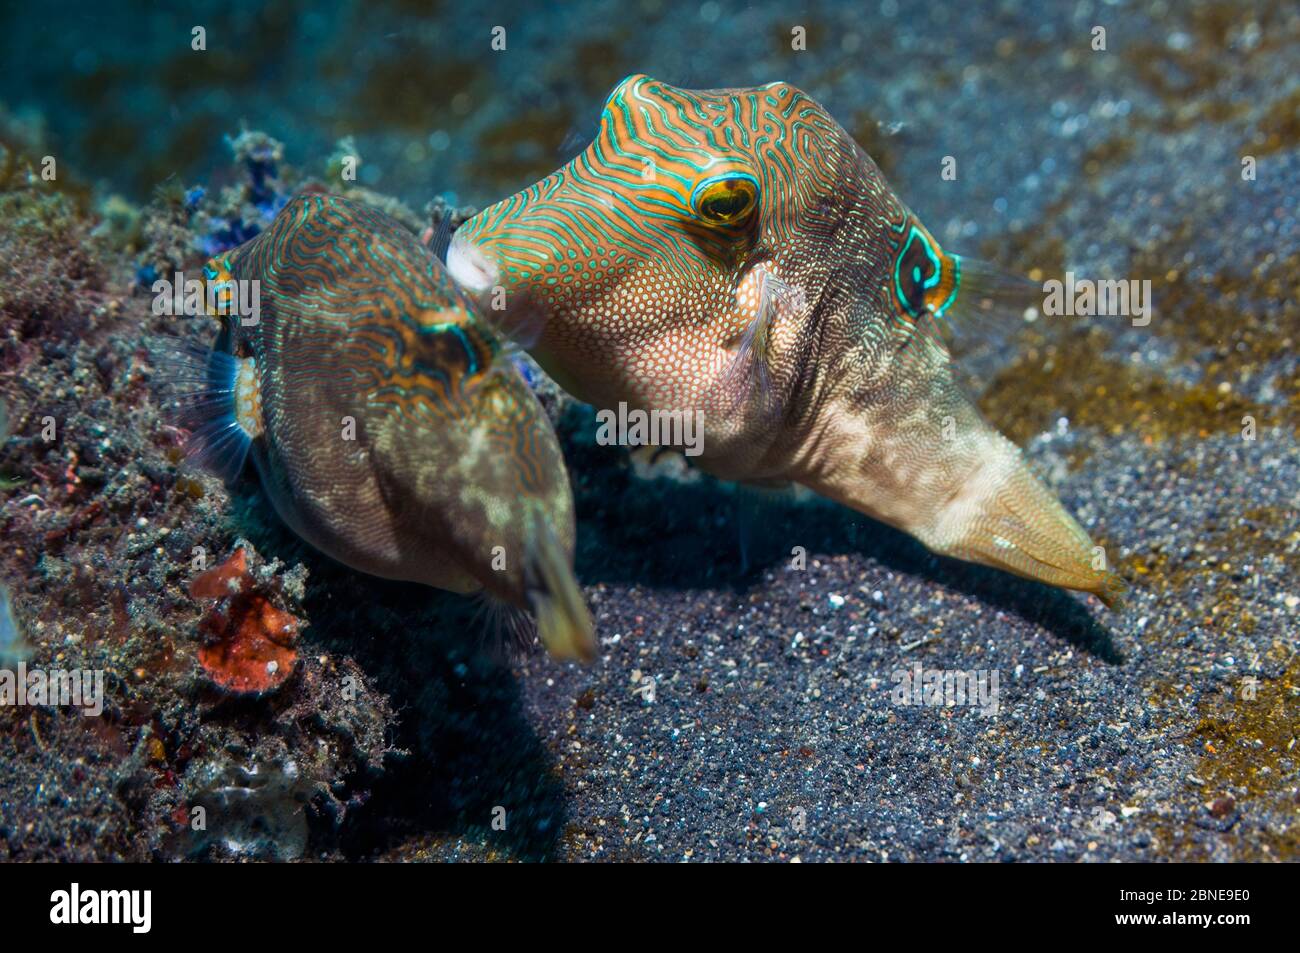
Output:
x=395 y=434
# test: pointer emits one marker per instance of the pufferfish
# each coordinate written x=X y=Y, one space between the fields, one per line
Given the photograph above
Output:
x=734 y=252
x=385 y=418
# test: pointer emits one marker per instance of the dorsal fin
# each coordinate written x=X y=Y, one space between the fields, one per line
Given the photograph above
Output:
x=939 y=298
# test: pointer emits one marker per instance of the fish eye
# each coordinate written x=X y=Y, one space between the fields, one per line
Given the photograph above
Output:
x=725 y=199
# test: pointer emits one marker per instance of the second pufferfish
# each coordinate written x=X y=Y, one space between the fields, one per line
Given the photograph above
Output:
x=384 y=416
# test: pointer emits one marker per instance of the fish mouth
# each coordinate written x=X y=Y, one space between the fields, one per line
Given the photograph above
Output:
x=469 y=266
x=563 y=621
x=1011 y=521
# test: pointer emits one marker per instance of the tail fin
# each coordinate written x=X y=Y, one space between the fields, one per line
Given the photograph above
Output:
x=215 y=396
x=563 y=621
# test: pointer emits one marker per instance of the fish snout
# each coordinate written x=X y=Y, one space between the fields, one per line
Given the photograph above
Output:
x=563 y=622
x=1002 y=515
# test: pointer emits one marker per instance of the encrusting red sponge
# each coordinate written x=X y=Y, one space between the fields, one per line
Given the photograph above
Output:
x=250 y=644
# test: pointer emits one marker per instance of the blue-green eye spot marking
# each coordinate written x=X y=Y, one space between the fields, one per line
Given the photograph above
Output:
x=917 y=271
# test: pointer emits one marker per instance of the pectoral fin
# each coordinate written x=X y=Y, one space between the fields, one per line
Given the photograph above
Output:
x=746 y=385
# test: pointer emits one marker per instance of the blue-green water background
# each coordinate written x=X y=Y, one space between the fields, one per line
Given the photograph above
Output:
x=434 y=109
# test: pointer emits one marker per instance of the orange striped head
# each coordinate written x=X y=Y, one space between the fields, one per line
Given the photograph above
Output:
x=646 y=249
x=658 y=247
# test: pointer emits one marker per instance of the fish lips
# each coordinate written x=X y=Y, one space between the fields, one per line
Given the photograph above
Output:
x=469 y=266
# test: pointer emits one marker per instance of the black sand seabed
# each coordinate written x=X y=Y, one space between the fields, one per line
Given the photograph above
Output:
x=1166 y=731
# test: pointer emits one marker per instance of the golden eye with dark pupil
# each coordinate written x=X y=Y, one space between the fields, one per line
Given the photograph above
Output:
x=726 y=201
x=724 y=208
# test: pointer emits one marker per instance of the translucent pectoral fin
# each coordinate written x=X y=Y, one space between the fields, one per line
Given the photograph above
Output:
x=766 y=302
x=945 y=302
x=991 y=302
